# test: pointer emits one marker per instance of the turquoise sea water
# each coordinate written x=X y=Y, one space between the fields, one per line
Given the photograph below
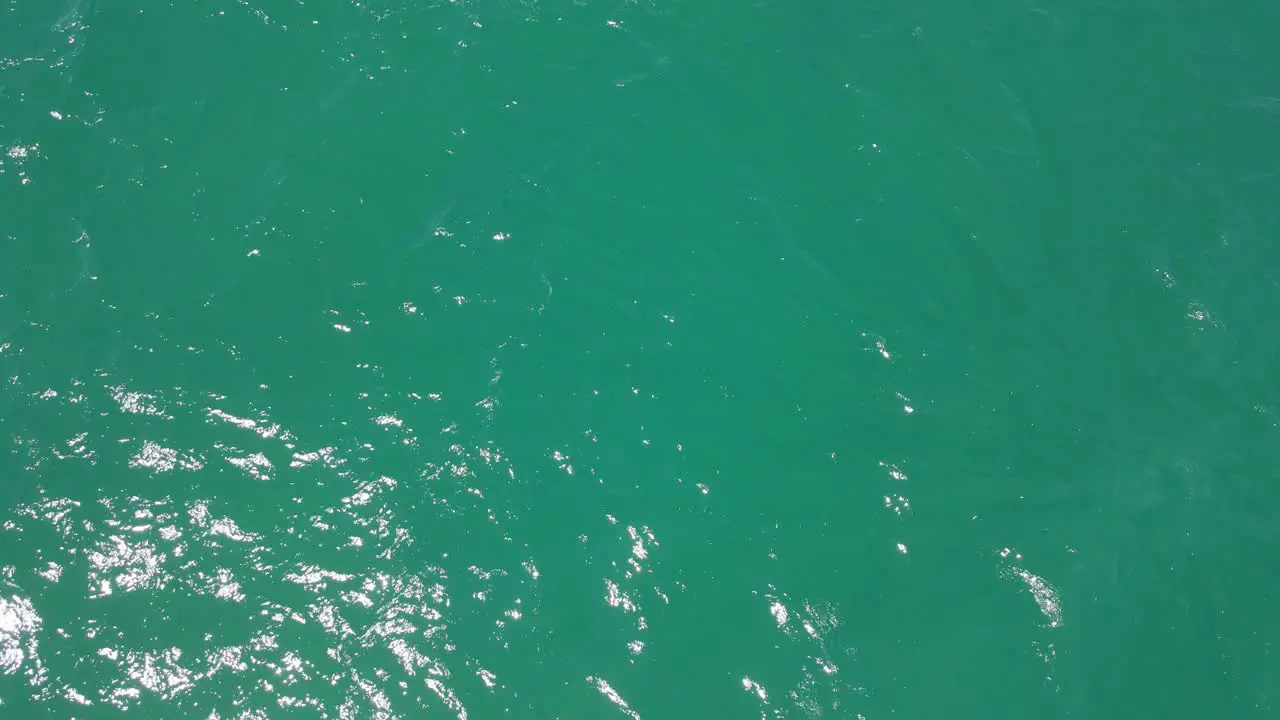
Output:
x=629 y=359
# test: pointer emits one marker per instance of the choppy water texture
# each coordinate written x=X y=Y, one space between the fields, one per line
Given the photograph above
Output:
x=626 y=359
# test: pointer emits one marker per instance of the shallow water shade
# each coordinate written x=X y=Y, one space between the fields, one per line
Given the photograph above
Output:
x=467 y=359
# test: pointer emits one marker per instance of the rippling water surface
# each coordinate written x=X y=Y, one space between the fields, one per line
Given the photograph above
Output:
x=479 y=359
